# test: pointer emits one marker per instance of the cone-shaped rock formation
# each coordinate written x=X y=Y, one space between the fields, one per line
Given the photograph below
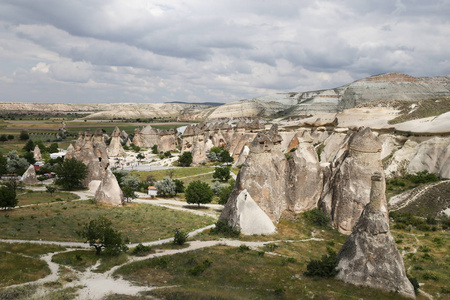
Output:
x=109 y=190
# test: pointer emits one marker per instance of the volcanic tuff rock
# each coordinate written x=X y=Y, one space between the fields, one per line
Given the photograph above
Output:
x=263 y=176
x=29 y=177
x=345 y=192
x=370 y=257
x=91 y=150
x=304 y=178
x=115 y=146
x=248 y=216
x=70 y=153
x=37 y=153
x=109 y=190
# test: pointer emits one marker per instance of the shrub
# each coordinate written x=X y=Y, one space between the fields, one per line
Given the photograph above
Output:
x=185 y=159
x=141 y=250
x=422 y=177
x=7 y=197
x=317 y=217
x=166 y=187
x=223 y=228
x=325 y=267
x=180 y=237
x=179 y=186
x=199 y=269
x=414 y=283
x=71 y=173
x=198 y=192
x=222 y=173
x=155 y=149
x=430 y=276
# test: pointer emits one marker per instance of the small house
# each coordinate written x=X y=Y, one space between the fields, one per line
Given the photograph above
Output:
x=152 y=191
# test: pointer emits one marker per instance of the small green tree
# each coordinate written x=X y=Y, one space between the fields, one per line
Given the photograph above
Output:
x=29 y=157
x=16 y=164
x=7 y=197
x=185 y=159
x=166 y=187
x=24 y=135
x=140 y=156
x=50 y=189
x=179 y=186
x=70 y=173
x=180 y=237
x=3 y=138
x=225 y=157
x=10 y=137
x=198 y=192
x=99 y=234
x=222 y=173
x=53 y=148
x=325 y=267
x=128 y=193
x=3 y=162
x=225 y=192
x=155 y=149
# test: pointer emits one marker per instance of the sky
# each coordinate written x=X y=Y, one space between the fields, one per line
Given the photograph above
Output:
x=99 y=51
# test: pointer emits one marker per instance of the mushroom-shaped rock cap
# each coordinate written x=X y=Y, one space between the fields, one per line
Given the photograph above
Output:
x=365 y=141
x=306 y=138
x=189 y=131
x=116 y=132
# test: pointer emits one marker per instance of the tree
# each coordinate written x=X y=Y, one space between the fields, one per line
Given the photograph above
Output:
x=3 y=162
x=128 y=193
x=140 y=156
x=179 y=186
x=24 y=135
x=166 y=187
x=10 y=137
x=3 y=138
x=29 y=156
x=222 y=173
x=155 y=149
x=50 y=189
x=29 y=146
x=16 y=164
x=224 y=193
x=199 y=193
x=53 y=148
x=7 y=197
x=99 y=234
x=217 y=186
x=225 y=157
x=70 y=173
x=185 y=159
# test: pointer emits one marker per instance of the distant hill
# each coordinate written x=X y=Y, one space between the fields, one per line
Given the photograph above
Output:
x=200 y=103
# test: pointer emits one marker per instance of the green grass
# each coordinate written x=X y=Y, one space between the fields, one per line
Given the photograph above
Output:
x=15 y=269
x=430 y=203
x=39 y=197
x=60 y=221
x=81 y=260
x=29 y=249
x=177 y=173
x=230 y=273
x=425 y=108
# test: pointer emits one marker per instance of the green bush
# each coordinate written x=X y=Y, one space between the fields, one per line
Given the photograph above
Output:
x=199 y=269
x=317 y=217
x=422 y=177
x=198 y=192
x=141 y=250
x=222 y=228
x=325 y=267
x=180 y=237
x=185 y=159
x=414 y=283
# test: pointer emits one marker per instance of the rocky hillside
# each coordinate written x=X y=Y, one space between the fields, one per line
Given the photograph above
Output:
x=382 y=88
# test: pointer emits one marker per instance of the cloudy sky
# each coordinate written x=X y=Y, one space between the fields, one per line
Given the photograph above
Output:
x=98 y=51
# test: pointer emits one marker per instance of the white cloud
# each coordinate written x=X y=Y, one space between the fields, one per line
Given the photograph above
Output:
x=97 y=51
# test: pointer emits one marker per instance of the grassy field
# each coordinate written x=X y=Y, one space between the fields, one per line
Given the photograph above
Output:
x=424 y=109
x=39 y=197
x=238 y=273
x=82 y=259
x=60 y=221
x=19 y=262
x=177 y=173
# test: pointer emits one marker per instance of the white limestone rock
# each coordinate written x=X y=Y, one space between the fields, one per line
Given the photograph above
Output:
x=250 y=218
x=115 y=148
x=109 y=191
x=37 y=153
x=29 y=177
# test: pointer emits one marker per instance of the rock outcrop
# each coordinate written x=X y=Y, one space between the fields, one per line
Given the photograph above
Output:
x=70 y=153
x=370 y=257
x=249 y=217
x=109 y=191
x=263 y=177
x=304 y=179
x=346 y=189
x=29 y=177
x=37 y=153
x=165 y=140
x=115 y=148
